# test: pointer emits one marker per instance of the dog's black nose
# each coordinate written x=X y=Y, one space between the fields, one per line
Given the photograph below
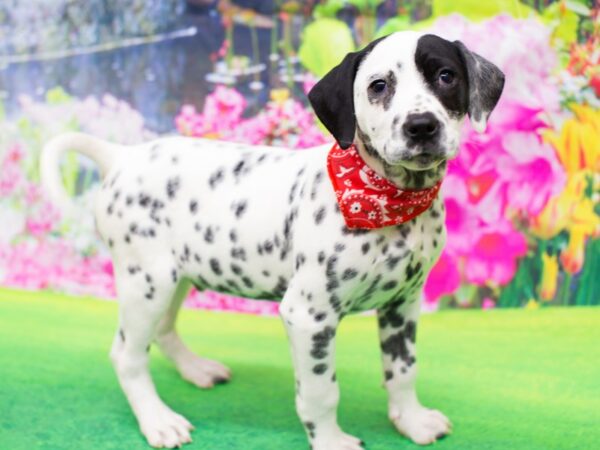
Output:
x=421 y=127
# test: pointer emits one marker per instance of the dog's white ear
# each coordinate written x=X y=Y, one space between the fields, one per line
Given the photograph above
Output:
x=332 y=98
x=486 y=82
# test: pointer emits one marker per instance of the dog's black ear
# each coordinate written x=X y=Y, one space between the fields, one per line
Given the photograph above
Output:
x=332 y=98
x=486 y=82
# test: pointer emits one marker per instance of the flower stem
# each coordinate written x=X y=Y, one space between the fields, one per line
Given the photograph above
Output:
x=566 y=289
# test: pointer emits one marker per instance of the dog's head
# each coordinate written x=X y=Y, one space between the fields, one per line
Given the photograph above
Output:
x=405 y=96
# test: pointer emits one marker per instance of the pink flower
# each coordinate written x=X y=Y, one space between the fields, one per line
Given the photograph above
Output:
x=308 y=83
x=530 y=171
x=443 y=279
x=494 y=255
x=223 y=108
x=281 y=123
x=487 y=303
x=461 y=219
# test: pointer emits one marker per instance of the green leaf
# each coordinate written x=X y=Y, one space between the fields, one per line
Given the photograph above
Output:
x=57 y=95
x=564 y=23
x=366 y=6
x=320 y=55
x=477 y=10
x=578 y=7
x=328 y=9
x=398 y=23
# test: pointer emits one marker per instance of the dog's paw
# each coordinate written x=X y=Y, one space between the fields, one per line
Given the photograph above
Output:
x=204 y=373
x=164 y=428
x=337 y=441
x=423 y=426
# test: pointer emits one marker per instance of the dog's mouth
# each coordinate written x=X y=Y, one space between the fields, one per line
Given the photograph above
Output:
x=424 y=160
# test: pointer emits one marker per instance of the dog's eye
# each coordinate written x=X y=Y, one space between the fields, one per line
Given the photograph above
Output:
x=446 y=77
x=377 y=86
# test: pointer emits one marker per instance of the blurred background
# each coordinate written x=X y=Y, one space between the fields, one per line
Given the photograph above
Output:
x=522 y=200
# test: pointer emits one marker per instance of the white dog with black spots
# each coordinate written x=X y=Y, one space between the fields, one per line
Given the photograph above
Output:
x=264 y=223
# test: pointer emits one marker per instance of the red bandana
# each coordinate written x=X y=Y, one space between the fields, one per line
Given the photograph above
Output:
x=366 y=199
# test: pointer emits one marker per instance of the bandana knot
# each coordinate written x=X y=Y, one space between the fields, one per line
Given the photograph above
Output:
x=366 y=199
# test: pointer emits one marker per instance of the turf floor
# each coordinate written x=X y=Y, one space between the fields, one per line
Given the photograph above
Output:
x=508 y=379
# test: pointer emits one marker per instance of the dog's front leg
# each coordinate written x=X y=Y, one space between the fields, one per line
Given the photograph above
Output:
x=397 y=332
x=312 y=341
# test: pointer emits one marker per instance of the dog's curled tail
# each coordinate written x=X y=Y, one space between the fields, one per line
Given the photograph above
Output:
x=102 y=152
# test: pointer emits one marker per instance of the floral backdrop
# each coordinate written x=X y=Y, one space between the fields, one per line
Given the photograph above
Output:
x=522 y=200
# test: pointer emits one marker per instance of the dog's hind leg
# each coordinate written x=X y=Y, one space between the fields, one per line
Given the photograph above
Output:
x=144 y=296
x=204 y=373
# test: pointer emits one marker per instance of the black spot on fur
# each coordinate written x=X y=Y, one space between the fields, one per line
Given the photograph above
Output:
x=330 y=273
x=335 y=303
x=144 y=200
x=193 y=206
x=280 y=287
x=318 y=178
x=390 y=314
x=412 y=271
x=396 y=345
x=238 y=253
x=319 y=215
x=320 y=316
x=173 y=185
x=268 y=246
x=321 y=257
x=237 y=169
x=392 y=261
x=389 y=285
x=239 y=208
x=215 y=266
x=216 y=178
x=365 y=248
x=300 y=259
x=349 y=274
x=310 y=428
x=209 y=235
x=320 y=369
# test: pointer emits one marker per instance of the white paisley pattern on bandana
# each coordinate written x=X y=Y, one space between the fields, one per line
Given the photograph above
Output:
x=368 y=200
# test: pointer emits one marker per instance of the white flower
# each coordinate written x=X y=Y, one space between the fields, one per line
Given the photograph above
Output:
x=355 y=208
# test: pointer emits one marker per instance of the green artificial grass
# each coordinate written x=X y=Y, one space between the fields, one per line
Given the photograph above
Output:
x=508 y=379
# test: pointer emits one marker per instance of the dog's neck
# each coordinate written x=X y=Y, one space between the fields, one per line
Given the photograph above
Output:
x=400 y=176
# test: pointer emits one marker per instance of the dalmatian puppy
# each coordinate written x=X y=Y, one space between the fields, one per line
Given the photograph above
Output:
x=266 y=223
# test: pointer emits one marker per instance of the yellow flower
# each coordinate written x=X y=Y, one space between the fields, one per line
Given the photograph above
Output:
x=578 y=146
x=584 y=223
x=279 y=96
x=557 y=214
x=532 y=304
x=211 y=135
x=549 y=276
